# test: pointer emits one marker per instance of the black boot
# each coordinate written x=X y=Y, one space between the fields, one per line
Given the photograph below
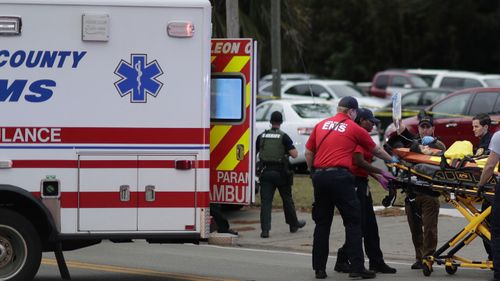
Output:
x=364 y=273
x=342 y=264
x=382 y=267
x=300 y=224
x=417 y=265
x=320 y=274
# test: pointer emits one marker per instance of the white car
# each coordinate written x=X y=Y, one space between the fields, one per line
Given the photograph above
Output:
x=462 y=80
x=331 y=90
x=299 y=119
x=452 y=79
x=288 y=76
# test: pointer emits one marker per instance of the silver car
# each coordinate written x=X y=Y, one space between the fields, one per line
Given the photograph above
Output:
x=299 y=119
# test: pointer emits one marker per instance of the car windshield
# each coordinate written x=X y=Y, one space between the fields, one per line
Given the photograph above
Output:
x=493 y=82
x=314 y=110
x=345 y=90
x=419 y=82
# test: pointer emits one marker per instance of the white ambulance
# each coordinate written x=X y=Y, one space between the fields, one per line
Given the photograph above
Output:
x=110 y=119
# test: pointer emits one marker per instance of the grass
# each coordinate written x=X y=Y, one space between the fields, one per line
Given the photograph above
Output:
x=303 y=194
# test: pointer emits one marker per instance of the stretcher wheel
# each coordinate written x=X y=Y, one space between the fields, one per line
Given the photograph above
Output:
x=451 y=269
x=426 y=268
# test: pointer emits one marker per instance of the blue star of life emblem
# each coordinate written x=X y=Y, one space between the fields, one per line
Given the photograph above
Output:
x=138 y=78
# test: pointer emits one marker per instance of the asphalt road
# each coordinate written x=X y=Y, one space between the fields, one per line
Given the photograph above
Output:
x=141 y=261
x=283 y=256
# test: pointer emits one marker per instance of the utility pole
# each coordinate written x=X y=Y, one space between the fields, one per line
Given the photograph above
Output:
x=232 y=19
x=276 y=47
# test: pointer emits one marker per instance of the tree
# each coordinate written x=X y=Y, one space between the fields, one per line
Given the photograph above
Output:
x=255 y=22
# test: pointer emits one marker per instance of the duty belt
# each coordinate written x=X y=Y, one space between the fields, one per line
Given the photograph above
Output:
x=331 y=169
x=273 y=165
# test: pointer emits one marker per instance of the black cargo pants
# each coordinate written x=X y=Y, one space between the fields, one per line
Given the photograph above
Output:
x=335 y=187
x=270 y=179
x=369 y=226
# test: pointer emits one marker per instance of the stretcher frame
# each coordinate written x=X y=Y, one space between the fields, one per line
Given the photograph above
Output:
x=459 y=188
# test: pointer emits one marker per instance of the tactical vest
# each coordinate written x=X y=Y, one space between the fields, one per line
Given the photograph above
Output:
x=271 y=148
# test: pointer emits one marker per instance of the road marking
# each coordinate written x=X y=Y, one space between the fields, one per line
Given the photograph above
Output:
x=134 y=271
x=401 y=263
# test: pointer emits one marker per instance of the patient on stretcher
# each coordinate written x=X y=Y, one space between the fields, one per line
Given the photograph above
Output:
x=425 y=149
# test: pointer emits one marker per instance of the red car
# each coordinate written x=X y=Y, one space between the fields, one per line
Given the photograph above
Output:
x=394 y=79
x=453 y=115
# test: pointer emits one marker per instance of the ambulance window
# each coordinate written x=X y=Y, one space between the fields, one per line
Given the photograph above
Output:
x=227 y=102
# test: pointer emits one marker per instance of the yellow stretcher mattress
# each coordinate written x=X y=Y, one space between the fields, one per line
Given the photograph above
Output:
x=414 y=157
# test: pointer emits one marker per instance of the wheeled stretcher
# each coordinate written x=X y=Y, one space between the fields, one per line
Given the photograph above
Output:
x=456 y=181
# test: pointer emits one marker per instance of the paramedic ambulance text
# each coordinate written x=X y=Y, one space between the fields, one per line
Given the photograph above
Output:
x=39 y=90
x=232 y=189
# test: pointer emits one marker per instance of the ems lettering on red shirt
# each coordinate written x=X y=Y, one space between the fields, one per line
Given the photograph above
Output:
x=337 y=148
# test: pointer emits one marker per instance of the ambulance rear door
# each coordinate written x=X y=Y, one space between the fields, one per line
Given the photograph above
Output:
x=232 y=121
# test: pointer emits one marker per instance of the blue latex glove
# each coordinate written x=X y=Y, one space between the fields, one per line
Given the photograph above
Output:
x=427 y=140
x=394 y=159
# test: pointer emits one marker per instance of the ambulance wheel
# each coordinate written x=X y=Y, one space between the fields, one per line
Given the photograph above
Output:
x=20 y=247
x=451 y=269
x=426 y=269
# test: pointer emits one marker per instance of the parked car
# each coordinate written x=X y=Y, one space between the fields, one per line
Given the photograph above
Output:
x=394 y=79
x=288 y=77
x=299 y=119
x=331 y=90
x=411 y=103
x=461 y=80
x=428 y=75
x=453 y=115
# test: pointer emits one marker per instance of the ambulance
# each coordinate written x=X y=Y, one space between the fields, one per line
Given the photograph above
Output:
x=120 y=120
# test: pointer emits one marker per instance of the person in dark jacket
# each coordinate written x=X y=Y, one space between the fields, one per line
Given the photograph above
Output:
x=480 y=126
x=422 y=209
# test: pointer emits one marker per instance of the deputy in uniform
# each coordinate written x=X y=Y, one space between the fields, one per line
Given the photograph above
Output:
x=329 y=151
x=274 y=147
x=488 y=170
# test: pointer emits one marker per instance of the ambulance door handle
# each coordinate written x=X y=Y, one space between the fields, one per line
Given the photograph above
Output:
x=150 y=193
x=124 y=193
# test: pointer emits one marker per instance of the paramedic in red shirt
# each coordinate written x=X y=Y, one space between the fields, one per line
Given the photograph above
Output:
x=362 y=168
x=328 y=155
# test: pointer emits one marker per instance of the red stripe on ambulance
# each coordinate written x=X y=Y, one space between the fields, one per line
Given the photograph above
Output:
x=170 y=164
x=112 y=200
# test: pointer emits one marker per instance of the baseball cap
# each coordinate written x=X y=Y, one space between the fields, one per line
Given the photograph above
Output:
x=367 y=114
x=277 y=117
x=348 y=102
x=426 y=120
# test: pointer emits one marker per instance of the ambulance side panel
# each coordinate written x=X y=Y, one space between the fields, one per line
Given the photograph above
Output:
x=121 y=122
